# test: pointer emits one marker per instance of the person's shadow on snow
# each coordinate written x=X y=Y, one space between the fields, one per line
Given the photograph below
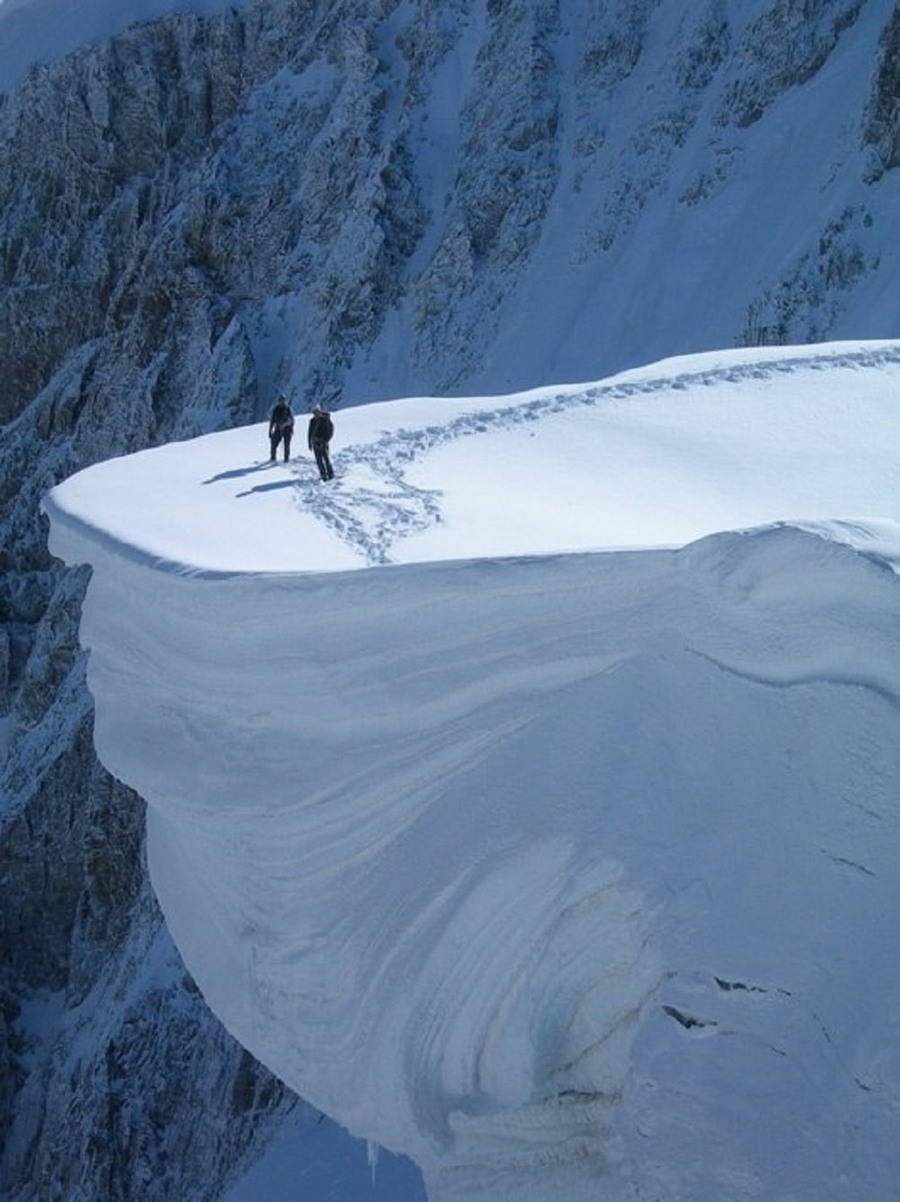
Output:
x=267 y=487
x=235 y=473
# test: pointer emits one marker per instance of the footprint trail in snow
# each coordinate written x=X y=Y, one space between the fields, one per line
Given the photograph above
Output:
x=371 y=504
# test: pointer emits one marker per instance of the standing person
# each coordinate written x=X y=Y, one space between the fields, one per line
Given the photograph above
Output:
x=321 y=428
x=281 y=428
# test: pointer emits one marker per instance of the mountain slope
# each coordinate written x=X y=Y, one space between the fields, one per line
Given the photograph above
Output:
x=437 y=201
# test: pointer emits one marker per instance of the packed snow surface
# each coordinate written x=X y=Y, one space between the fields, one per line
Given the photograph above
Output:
x=528 y=797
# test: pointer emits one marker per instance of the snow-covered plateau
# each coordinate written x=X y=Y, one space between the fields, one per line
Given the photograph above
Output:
x=528 y=797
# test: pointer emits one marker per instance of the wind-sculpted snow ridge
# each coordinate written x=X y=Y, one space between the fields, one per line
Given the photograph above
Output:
x=568 y=875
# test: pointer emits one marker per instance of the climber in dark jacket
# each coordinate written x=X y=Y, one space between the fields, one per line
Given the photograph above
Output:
x=321 y=428
x=281 y=428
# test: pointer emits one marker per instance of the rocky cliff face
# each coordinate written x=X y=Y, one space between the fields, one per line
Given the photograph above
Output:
x=349 y=201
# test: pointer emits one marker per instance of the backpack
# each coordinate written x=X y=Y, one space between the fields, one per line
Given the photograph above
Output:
x=282 y=417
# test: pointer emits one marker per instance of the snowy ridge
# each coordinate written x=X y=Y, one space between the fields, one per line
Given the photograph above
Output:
x=374 y=518
x=731 y=439
x=565 y=874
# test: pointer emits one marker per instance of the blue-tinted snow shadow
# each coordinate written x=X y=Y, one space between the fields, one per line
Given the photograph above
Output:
x=267 y=487
x=237 y=472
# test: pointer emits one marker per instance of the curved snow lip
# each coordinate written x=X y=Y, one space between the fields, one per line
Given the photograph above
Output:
x=480 y=857
x=551 y=870
x=660 y=456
